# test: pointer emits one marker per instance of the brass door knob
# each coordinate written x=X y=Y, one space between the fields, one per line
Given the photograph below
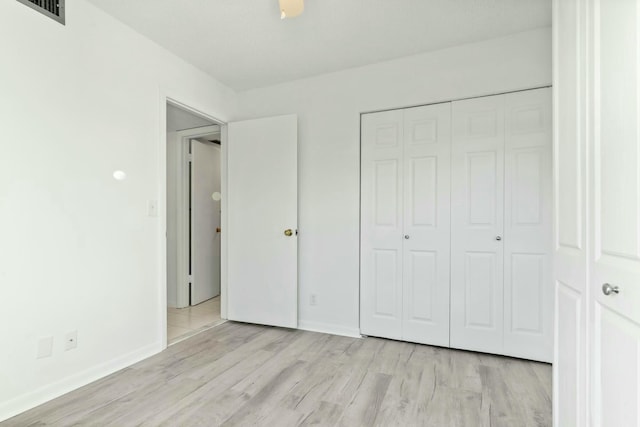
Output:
x=288 y=232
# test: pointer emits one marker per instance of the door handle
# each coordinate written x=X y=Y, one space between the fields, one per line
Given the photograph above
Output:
x=288 y=232
x=608 y=289
x=218 y=229
x=498 y=238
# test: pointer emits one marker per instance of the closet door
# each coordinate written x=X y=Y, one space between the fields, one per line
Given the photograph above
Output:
x=381 y=224
x=613 y=236
x=427 y=171
x=570 y=365
x=477 y=224
x=528 y=283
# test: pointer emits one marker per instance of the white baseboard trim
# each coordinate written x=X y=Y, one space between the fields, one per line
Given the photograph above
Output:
x=328 y=328
x=30 y=400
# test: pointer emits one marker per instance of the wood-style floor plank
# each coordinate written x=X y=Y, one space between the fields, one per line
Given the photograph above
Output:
x=239 y=375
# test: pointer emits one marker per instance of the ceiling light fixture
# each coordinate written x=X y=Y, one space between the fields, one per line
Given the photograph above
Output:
x=291 y=8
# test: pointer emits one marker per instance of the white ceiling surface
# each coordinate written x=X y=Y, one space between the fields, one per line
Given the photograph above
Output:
x=179 y=119
x=245 y=45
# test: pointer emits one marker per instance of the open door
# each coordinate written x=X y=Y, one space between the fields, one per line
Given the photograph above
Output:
x=205 y=220
x=262 y=209
x=614 y=215
x=597 y=160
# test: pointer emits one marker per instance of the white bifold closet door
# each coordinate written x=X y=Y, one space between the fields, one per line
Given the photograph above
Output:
x=501 y=279
x=405 y=224
x=477 y=206
x=528 y=226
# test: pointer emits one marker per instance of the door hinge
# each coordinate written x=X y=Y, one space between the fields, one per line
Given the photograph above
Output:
x=190 y=157
x=190 y=278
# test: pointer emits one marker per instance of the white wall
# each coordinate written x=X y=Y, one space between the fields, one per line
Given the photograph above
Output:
x=77 y=250
x=329 y=108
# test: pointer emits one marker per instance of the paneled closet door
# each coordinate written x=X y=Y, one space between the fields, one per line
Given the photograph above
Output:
x=528 y=281
x=427 y=171
x=477 y=206
x=614 y=213
x=570 y=381
x=381 y=225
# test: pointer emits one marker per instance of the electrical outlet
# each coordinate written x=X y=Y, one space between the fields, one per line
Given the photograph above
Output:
x=313 y=299
x=45 y=347
x=71 y=340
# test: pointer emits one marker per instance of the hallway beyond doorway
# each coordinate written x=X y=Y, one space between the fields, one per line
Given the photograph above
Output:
x=186 y=322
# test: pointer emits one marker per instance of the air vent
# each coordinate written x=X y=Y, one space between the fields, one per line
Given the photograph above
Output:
x=54 y=9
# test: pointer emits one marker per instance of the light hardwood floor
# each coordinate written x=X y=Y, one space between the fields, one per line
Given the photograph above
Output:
x=186 y=322
x=247 y=375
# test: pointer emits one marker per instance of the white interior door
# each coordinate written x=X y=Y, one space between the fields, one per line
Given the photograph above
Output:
x=262 y=181
x=205 y=219
x=597 y=261
x=426 y=218
x=477 y=207
x=405 y=224
x=528 y=280
x=571 y=354
x=614 y=232
x=381 y=224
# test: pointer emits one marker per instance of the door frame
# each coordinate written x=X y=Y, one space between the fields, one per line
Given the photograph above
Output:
x=183 y=138
x=195 y=108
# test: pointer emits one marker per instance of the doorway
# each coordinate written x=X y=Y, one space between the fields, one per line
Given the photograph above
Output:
x=193 y=206
x=260 y=211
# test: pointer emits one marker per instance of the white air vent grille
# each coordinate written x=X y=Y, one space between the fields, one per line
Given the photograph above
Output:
x=54 y=9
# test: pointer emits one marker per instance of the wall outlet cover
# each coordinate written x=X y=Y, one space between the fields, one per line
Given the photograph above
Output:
x=71 y=340
x=45 y=347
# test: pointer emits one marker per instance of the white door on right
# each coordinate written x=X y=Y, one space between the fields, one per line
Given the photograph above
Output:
x=501 y=225
x=614 y=232
x=528 y=278
x=477 y=205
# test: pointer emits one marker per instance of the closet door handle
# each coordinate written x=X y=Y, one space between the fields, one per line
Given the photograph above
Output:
x=406 y=236
x=498 y=238
x=608 y=289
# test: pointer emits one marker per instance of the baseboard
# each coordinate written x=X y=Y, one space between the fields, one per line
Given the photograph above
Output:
x=328 y=328
x=44 y=394
x=49 y=392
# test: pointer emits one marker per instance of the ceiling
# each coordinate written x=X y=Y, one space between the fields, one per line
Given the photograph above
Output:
x=245 y=45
